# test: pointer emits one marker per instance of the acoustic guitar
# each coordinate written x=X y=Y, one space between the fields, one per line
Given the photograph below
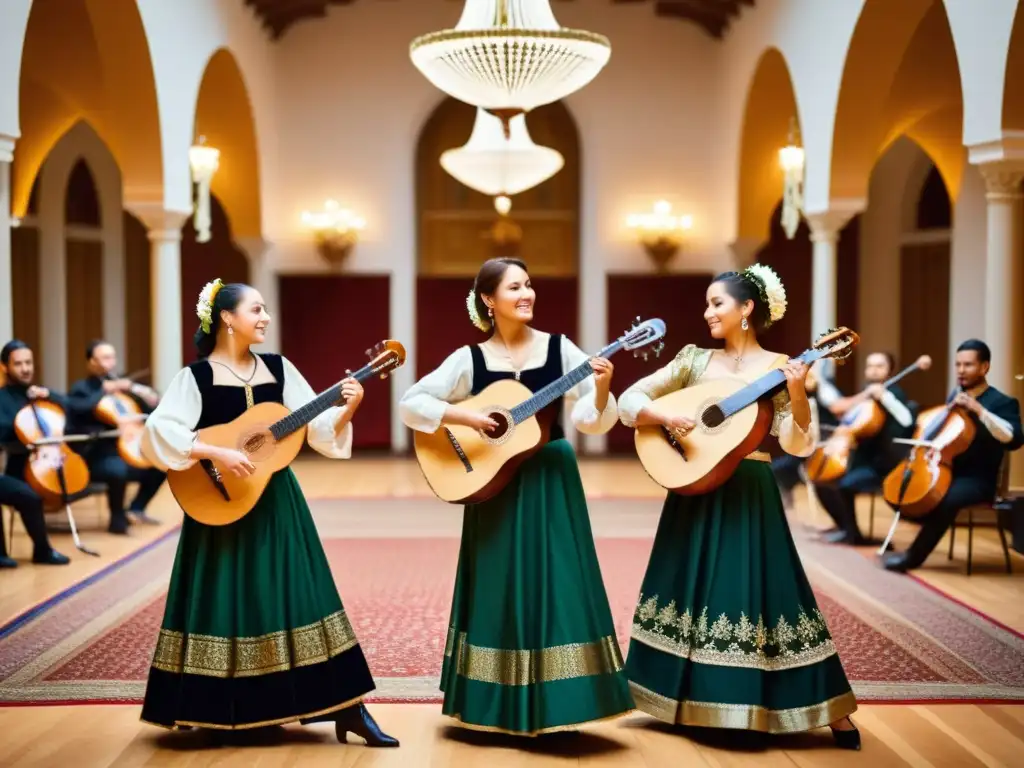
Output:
x=270 y=436
x=732 y=419
x=464 y=465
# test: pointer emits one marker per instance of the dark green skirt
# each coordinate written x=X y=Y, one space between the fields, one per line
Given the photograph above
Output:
x=254 y=632
x=727 y=633
x=531 y=644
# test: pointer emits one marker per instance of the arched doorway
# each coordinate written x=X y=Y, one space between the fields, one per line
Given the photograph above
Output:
x=453 y=224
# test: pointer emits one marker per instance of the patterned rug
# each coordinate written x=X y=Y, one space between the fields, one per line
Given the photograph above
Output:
x=900 y=641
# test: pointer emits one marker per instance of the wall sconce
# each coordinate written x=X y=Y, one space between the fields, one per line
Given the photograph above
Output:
x=335 y=230
x=660 y=232
x=204 y=162
x=791 y=159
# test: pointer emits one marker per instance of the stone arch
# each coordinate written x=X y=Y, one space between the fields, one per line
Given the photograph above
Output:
x=224 y=115
x=901 y=77
x=104 y=75
x=1013 y=84
x=770 y=108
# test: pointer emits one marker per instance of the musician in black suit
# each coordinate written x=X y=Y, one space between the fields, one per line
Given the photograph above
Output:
x=105 y=463
x=996 y=417
x=874 y=457
x=17 y=363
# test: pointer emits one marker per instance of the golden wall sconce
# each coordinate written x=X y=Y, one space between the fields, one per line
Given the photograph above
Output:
x=335 y=231
x=660 y=232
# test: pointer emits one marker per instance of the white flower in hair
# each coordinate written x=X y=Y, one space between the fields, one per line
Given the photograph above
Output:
x=204 y=307
x=775 y=292
x=474 y=316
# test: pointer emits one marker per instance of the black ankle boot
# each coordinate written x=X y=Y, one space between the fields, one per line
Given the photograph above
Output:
x=357 y=720
x=847 y=739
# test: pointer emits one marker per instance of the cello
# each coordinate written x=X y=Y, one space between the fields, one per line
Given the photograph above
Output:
x=865 y=419
x=919 y=482
x=53 y=470
x=118 y=409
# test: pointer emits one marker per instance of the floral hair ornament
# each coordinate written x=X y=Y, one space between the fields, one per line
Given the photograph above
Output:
x=204 y=307
x=773 y=293
x=474 y=315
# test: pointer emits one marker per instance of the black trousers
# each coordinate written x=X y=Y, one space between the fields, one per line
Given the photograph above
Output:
x=839 y=498
x=963 y=492
x=786 y=469
x=15 y=492
x=111 y=469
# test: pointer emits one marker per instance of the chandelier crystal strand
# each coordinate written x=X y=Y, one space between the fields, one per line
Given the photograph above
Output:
x=509 y=55
x=494 y=165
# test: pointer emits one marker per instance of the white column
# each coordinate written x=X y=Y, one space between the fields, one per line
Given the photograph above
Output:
x=114 y=302
x=744 y=251
x=6 y=286
x=1003 y=269
x=402 y=325
x=52 y=297
x=263 y=277
x=593 y=309
x=165 y=293
x=825 y=228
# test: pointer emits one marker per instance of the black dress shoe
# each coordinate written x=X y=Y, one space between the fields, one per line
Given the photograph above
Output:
x=847 y=739
x=8 y=562
x=52 y=557
x=357 y=720
x=899 y=562
x=843 y=537
x=142 y=517
x=118 y=525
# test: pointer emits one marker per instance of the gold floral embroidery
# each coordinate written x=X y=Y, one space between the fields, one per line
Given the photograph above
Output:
x=724 y=642
x=225 y=657
x=781 y=404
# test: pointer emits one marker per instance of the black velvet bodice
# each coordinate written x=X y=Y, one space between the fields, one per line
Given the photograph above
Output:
x=533 y=379
x=223 y=403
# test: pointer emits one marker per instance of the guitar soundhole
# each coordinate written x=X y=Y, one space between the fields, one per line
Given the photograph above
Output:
x=505 y=427
x=712 y=417
x=257 y=445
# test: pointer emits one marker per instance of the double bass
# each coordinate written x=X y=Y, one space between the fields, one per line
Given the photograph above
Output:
x=864 y=420
x=118 y=409
x=919 y=482
x=53 y=470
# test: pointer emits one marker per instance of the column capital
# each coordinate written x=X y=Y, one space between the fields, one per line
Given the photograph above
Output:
x=162 y=224
x=744 y=249
x=826 y=225
x=7 y=147
x=1001 y=163
x=254 y=247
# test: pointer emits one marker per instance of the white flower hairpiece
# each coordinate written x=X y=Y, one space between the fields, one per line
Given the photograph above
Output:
x=474 y=316
x=204 y=307
x=772 y=290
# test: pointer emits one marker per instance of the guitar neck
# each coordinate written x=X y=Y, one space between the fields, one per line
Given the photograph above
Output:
x=300 y=417
x=900 y=375
x=544 y=397
x=766 y=385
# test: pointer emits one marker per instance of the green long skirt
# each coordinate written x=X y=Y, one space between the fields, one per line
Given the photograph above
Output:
x=531 y=644
x=254 y=632
x=727 y=633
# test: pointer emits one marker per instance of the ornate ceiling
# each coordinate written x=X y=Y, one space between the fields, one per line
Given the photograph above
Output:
x=713 y=16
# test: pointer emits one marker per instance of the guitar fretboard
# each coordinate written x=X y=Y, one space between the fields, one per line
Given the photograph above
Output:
x=770 y=383
x=547 y=395
x=300 y=417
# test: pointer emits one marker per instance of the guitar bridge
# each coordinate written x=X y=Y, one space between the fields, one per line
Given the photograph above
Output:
x=674 y=442
x=215 y=477
x=458 y=449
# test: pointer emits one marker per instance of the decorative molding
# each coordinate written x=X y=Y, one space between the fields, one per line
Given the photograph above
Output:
x=7 y=147
x=1009 y=147
x=927 y=237
x=826 y=225
x=162 y=223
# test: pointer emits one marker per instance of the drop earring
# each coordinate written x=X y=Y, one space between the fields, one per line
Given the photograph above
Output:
x=490 y=311
x=743 y=324
x=231 y=331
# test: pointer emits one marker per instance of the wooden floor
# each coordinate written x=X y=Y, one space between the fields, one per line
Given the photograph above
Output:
x=86 y=736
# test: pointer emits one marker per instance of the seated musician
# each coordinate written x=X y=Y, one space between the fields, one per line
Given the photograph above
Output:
x=996 y=417
x=874 y=457
x=822 y=392
x=17 y=363
x=105 y=463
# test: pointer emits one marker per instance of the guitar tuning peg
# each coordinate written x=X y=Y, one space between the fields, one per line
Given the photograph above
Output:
x=369 y=353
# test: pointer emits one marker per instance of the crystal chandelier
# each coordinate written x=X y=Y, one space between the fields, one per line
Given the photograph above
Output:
x=498 y=166
x=509 y=56
x=791 y=159
x=204 y=161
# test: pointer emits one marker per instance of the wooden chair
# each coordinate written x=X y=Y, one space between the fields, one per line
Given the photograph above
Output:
x=986 y=515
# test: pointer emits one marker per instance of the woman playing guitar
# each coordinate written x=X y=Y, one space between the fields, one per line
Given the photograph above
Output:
x=254 y=600
x=713 y=640
x=528 y=582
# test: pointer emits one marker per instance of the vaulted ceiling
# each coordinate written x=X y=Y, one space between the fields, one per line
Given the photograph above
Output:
x=713 y=16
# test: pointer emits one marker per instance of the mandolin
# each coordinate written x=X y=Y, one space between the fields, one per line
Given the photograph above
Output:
x=732 y=419
x=865 y=419
x=270 y=436
x=464 y=465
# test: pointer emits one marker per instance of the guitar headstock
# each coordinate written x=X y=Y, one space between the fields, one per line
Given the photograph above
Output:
x=644 y=337
x=837 y=344
x=385 y=357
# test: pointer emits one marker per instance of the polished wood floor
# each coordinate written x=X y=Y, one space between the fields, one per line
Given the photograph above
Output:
x=86 y=736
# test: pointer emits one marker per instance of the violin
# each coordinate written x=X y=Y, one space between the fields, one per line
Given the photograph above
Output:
x=919 y=482
x=120 y=410
x=864 y=420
